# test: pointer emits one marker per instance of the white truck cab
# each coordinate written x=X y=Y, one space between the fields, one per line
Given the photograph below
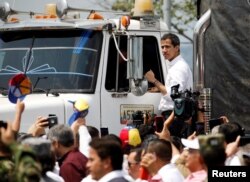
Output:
x=70 y=58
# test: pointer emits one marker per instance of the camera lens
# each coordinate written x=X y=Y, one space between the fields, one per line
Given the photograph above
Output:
x=213 y=142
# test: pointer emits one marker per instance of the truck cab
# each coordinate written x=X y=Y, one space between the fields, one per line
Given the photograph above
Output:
x=66 y=58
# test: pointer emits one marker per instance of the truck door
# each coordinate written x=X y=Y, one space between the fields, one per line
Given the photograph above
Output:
x=117 y=102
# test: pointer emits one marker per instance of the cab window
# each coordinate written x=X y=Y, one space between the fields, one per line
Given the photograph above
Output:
x=116 y=75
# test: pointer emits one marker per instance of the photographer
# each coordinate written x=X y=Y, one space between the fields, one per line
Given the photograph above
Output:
x=178 y=73
x=37 y=129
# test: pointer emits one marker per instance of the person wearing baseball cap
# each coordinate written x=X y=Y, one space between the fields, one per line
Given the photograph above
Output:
x=19 y=86
x=194 y=161
x=77 y=123
x=81 y=109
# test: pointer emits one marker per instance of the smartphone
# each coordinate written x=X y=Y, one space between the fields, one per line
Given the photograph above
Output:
x=199 y=127
x=3 y=124
x=244 y=140
x=159 y=123
x=52 y=120
x=104 y=131
x=215 y=122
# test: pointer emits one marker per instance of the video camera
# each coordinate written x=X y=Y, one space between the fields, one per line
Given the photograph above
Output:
x=185 y=103
x=137 y=118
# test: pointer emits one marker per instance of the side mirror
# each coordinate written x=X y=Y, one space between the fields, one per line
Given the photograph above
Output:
x=135 y=53
x=61 y=8
x=138 y=87
x=5 y=11
x=138 y=84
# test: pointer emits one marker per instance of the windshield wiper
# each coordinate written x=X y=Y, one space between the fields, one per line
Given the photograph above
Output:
x=46 y=91
x=40 y=90
x=37 y=80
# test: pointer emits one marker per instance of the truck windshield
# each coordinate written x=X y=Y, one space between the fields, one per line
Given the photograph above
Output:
x=59 y=60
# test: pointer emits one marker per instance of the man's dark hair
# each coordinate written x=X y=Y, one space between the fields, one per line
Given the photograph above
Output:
x=230 y=131
x=113 y=137
x=93 y=131
x=106 y=148
x=145 y=130
x=176 y=141
x=162 y=149
x=44 y=154
x=63 y=134
x=212 y=149
x=174 y=38
x=148 y=139
x=138 y=153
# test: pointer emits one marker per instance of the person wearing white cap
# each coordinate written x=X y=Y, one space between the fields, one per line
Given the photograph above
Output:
x=194 y=161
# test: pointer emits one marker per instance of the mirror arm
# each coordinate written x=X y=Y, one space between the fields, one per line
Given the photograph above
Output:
x=117 y=47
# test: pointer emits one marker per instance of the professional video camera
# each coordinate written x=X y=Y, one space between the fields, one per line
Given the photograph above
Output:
x=137 y=118
x=185 y=103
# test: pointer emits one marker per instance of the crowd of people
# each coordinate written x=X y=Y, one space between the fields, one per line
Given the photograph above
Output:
x=79 y=153
x=76 y=152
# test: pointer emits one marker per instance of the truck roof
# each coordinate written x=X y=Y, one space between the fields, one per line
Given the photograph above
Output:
x=149 y=24
x=61 y=15
x=54 y=23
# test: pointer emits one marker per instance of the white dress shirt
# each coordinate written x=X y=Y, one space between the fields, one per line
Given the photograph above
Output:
x=170 y=173
x=112 y=175
x=178 y=73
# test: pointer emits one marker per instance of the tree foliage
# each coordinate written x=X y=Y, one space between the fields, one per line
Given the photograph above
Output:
x=123 y=5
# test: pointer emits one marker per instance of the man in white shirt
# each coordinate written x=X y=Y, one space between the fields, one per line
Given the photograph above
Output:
x=157 y=159
x=194 y=161
x=105 y=161
x=178 y=73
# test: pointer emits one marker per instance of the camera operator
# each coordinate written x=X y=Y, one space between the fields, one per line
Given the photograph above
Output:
x=178 y=73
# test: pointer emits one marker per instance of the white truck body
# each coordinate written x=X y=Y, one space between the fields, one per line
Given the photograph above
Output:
x=61 y=67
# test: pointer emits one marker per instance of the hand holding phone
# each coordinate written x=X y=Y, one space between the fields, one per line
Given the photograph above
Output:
x=52 y=120
x=159 y=122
